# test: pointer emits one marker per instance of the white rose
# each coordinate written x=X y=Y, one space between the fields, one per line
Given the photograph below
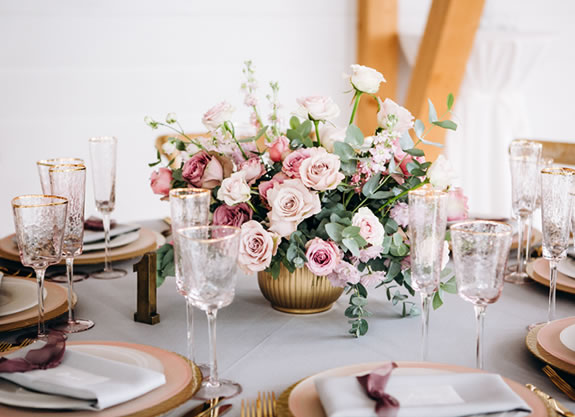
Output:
x=440 y=173
x=234 y=189
x=257 y=247
x=329 y=134
x=318 y=107
x=291 y=202
x=320 y=170
x=370 y=227
x=393 y=117
x=365 y=79
x=217 y=115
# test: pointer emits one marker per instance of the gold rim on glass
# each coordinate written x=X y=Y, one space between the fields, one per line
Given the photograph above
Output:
x=59 y=200
x=67 y=168
x=558 y=171
x=60 y=161
x=427 y=193
x=236 y=230
x=460 y=227
x=103 y=139
x=525 y=142
x=188 y=192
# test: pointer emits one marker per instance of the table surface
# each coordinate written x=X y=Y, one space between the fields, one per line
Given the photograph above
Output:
x=266 y=350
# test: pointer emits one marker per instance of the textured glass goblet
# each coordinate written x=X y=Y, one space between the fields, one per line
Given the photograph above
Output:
x=543 y=163
x=427 y=222
x=44 y=166
x=524 y=164
x=208 y=257
x=103 y=158
x=40 y=222
x=556 y=203
x=188 y=207
x=69 y=181
x=480 y=252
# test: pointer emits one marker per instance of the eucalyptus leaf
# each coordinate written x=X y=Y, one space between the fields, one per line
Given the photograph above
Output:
x=437 y=301
x=294 y=122
x=450 y=100
x=446 y=124
x=353 y=136
x=419 y=128
x=371 y=185
x=344 y=151
x=352 y=245
x=405 y=141
x=335 y=231
x=415 y=152
x=432 y=112
x=350 y=231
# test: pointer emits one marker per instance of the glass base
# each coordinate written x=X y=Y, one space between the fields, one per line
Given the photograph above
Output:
x=109 y=274
x=223 y=388
x=534 y=325
x=75 y=326
x=62 y=278
x=204 y=369
x=517 y=278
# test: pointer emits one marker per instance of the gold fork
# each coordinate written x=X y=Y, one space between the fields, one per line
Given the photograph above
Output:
x=5 y=346
x=551 y=402
x=559 y=382
x=267 y=403
x=248 y=409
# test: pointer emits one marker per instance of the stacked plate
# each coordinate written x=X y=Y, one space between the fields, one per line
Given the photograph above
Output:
x=120 y=235
x=554 y=343
x=538 y=270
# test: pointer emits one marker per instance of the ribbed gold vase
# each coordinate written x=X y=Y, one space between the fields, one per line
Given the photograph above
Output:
x=299 y=293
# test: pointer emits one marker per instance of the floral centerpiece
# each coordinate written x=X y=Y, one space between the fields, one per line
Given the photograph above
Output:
x=315 y=195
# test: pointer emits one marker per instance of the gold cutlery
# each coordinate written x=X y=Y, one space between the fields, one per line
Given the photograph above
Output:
x=8 y=347
x=218 y=410
x=5 y=346
x=264 y=406
x=205 y=406
x=559 y=382
x=551 y=402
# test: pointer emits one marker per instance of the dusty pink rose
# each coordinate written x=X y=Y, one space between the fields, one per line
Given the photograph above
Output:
x=265 y=186
x=232 y=215
x=322 y=257
x=292 y=162
x=217 y=115
x=457 y=207
x=370 y=280
x=370 y=227
x=370 y=253
x=253 y=169
x=257 y=247
x=291 y=202
x=400 y=213
x=321 y=170
x=206 y=170
x=343 y=273
x=279 y=148
x=161 y=180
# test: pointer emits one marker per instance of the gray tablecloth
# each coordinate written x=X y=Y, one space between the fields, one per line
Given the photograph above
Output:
x=266 y=350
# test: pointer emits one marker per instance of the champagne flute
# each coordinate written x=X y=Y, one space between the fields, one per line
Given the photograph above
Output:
x=208 y=257
x=480 y=252
x=427 y=222
x=40 y=222
x=524 y=163
x=188 y=207
x=556 y=202
x=543 y=163
x=44 y=166
x=103 y=157
x=69 y=181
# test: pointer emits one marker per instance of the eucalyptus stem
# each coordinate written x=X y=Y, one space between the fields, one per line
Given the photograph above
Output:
x=355 y=105
x=316 y=124
x=181 y=132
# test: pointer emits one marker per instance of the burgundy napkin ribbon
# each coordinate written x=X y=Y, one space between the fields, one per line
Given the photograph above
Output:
x=97 y=224
x=374 y=385
x=48 y=356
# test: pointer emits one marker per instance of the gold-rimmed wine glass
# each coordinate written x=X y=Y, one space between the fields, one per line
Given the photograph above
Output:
x=40 y=222
x=43 y=166
x=69 y=181
x=103 y=157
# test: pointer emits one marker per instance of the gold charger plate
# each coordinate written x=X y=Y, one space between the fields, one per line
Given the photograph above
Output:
x=147 y=242
x=543 y=355
x=538 y=270
x=55 y=304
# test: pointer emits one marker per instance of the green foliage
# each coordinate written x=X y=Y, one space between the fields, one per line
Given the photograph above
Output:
x=164 y=263
x=357 y=311
x=353 y=136
x=446 y=124
x=300 y=134
x=432 y=112
x=450 y=100
x=158 y=160
x=344 y=151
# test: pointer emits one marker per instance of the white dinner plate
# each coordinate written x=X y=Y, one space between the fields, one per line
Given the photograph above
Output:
x=17 y=295
x=92 y=236
x=567 y=337
x=115 y=242
x=16 y=396
x=567 y=267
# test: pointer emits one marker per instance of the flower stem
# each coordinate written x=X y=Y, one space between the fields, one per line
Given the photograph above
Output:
x=181 y=132
x=355 y=105
x=316 y=124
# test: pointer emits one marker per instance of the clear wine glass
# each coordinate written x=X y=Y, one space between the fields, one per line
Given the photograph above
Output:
x=208 y=257
x=103 y=157
x=188 y=207
x=69 y=181
x=427 y=222
x=556 y=202
x=524 y=164
x=40 y=222
x=44 y=173
x=480 y=252
x=543 y=163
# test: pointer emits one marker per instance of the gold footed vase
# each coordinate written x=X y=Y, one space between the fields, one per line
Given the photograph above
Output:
x=300 y=292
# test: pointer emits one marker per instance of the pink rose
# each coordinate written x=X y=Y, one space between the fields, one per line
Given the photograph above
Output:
x=322 y=257
x=291 y=202
x=265 y=186
x=206 y=170
x=232 y=215
x=369 y=280
x=292 y=162
x=343 y=273
x=400 y=213
x=217 y=115
x=321 y=170
x=393 y=117
x=253 y=169
x=372 y=252
x=457 y=208
x=161 y=181
x=257 y=247
x=234 y=189
x=318 y=108
x=370 y=227
x=279 y=148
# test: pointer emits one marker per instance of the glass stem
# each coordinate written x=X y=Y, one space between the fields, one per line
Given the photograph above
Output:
x=480 y=316
x=40 y=281
x=425 y=301
x=552 y=290
x=190 y=331
x=521 y=229
x=213 y=378
x=106 y=221
x=528 y=239
x=70 y=276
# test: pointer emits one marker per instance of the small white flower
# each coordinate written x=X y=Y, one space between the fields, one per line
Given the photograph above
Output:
x=365 y=79
x=151 y=122
x=171 y=118
x=441 y=173
x=169 y=147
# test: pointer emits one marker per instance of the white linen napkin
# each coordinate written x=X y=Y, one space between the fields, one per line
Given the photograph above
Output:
x=438 y=395
x=100 y=382
x=91 y=236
